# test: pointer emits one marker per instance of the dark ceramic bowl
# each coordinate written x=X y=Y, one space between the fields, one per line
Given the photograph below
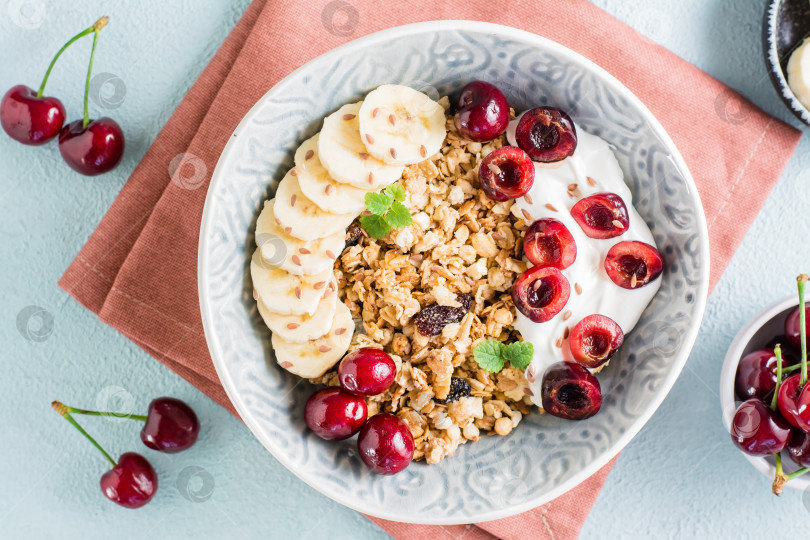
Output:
x=785 y=25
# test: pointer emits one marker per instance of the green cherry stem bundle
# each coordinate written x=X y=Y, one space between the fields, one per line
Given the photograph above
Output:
x=31 y=117
x=131 y=482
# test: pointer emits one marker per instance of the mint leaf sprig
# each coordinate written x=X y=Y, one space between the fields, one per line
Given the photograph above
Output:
x=491 y=355
x=387 y=211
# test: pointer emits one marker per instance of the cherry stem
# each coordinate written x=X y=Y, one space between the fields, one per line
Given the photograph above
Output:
x=790 y=369
x=70 y=42
x=87 y=82
x=63 y=410
x=74 y=410
x=778 y=352
x=801 y=280
x=779 y=479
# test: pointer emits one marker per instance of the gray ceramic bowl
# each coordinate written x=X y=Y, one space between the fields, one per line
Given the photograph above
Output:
x=546 y=456
x=784 y=27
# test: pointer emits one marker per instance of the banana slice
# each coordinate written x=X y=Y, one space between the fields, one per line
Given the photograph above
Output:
x=301 y=217
x=343 y=154
x=288 y=294
x=798 y=72
x=318 y=186
x=280 y=250
x=400 y=125
x=301 y=328
x=313 y=358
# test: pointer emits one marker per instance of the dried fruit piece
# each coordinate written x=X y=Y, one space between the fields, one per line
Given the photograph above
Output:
x=459 y=388
x=353 y=235
x=433 y=318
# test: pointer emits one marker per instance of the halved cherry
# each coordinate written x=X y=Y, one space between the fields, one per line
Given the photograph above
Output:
x=570 y=391
x=547 y=134
x=603 y=215
x=631 y=265
x=506 y=173
x=595 y=339
x=541 y=293
x=548 y=242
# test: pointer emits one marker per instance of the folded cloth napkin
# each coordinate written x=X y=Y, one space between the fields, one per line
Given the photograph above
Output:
x=138 y=269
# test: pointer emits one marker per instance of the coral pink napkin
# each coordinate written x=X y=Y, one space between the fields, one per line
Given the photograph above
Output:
x=138 y=270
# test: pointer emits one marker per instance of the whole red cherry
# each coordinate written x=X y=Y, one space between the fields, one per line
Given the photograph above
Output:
x=367 y=371
x=29 y=118
x=131 y=483
x=483 y=112
x=334 y=414
x=171 y=426
x=385 y=444
x=94 y=149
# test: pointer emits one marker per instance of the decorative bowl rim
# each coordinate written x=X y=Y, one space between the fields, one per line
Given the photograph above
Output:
x=777 y=75
x=208 y=316
x=728 y=372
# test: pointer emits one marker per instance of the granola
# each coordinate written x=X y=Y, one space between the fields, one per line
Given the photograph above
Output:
x=459 y=257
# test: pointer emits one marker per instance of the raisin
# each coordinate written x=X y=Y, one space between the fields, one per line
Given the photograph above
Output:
x=465 y=299
x=459 y=388
x=433 y=318
x=353 y=235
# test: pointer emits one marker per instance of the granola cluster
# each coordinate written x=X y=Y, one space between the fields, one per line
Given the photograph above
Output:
x=462 y=252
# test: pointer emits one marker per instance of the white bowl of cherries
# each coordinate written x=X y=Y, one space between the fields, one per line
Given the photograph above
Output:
x=763 y=391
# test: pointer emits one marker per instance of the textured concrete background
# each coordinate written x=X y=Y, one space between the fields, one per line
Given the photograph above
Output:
x=680 y=477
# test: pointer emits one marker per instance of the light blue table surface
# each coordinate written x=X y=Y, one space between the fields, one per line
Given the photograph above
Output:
x=680 y=477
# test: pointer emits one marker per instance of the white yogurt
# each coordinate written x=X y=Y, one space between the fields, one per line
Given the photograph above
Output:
x=592 y=158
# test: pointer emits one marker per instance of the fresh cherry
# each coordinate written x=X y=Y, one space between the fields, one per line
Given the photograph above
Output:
x=756 y=375
x=171 y=426
x=541 y=293
x=547 y=242
x=547 y=134
x=631 y=265
x=29 y=118
x=793 y=327
x=757 y=430
x=594 y=340
x=506 y=173
x=799 y=448
x=483 y=112
x=570 y=391
x=794 y=402
x=334 y=414
x=367 y=371
x=131 y=483
x=94 y=149
x=603 y=215
x=385 y=444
